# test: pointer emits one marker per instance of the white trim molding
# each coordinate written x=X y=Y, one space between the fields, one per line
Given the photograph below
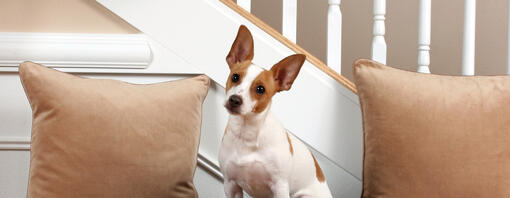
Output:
x=210 y=166
x=14 y=143
x=75 y=50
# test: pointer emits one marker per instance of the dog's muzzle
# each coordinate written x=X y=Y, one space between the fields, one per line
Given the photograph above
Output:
x=234 y=103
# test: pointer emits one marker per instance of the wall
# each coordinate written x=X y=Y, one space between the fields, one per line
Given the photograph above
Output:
x=70 y=16
x=402 y=32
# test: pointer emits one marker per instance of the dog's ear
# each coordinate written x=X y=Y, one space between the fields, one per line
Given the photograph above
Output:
x=242 y=48
x=286 y=71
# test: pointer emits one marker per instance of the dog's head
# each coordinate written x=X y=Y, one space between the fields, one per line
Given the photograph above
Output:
x=250 y=87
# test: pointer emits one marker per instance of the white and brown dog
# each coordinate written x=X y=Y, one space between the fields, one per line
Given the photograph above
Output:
x=257 y=153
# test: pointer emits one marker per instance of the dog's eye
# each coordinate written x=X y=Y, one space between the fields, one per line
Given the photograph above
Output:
x=235 y=77
x=260 y=89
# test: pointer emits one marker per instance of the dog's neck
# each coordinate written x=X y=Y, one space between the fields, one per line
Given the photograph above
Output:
x=247 y=127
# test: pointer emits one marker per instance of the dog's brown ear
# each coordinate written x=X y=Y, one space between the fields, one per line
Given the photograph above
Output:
x=286 y=71
x=242 y=48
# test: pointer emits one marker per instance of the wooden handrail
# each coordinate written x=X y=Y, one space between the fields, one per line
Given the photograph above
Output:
x=275 y=34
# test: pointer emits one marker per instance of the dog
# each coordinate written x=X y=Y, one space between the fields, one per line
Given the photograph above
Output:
x=257 y=154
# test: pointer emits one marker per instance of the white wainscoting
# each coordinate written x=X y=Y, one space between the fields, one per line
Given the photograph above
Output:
x=14 y=173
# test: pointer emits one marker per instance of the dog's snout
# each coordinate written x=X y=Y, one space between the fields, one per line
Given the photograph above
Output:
x=235 y=101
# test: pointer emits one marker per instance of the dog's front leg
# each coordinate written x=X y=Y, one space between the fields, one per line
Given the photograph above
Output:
x=281 y=190
x=232 y=190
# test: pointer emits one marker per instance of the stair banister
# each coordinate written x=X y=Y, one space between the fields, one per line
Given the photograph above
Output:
x=334 y=44
x=508 y=43
x=378 y=42
x=289 y=19
x=468 y=38
x=246 y=4
x=424 y=36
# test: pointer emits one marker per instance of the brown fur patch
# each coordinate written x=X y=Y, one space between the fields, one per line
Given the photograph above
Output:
x=286 y=71
x=238 y=69
x=318 y=170
x=290 y=144
x=265 y=79
x=242 y=48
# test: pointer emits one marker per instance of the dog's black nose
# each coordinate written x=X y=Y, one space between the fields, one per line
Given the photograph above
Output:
x=235 y=101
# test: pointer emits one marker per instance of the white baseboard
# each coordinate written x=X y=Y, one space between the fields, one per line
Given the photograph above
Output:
x=75 y=50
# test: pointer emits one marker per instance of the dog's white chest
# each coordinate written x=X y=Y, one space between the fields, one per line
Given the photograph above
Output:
x=275 y=163
x=250 y=172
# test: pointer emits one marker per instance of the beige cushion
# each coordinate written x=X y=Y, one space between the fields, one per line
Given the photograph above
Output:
x=433 y=136
x=107 y=138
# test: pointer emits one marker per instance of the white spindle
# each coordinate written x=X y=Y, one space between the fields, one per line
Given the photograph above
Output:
x=378 y=42
x=246 y=4
x=508 y=42
x=289 y=18
x=424 y=36
x=335 y=35
x=468 y=49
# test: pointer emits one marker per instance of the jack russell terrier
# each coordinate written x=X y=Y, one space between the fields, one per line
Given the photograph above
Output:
x=257 y=154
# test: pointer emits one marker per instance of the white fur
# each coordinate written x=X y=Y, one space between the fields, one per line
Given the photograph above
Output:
x=255 y=156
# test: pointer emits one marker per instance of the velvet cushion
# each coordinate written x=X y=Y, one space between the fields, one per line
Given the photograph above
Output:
x=433 y=136
x=107 y=138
